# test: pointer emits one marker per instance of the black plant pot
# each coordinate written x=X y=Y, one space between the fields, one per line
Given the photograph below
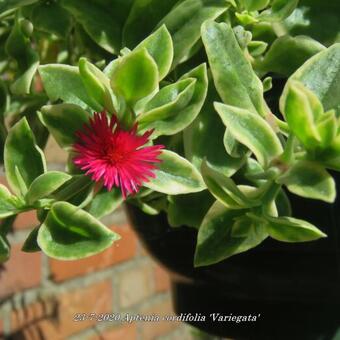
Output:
x=292 y=289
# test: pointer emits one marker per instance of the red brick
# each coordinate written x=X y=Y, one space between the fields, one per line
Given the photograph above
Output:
x=27 y=219
x=54 y=319
x=21 y=271
x=31 y=332
x=127 y=331
x=1 y=328
x=122 y=250
x=152 y=330
x=162 y=279
x=96 y=298
x=33 y=313
x=136 y=285
x=49 y=329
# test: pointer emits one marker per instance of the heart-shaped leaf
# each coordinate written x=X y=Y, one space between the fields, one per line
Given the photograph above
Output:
x=45 y=184
x=287 y=54
x=302 y=109
x=167 y=102
x=182 y=118
x=251 y=130
x=310 y=180
x=159 y=46
x=62 y=121
x=69 y=233
x=225 y=189
x=184 y=22
x=97 y=84
x=64 y=82
x=105 y=202
x=9 y=204
x=51 y=18
x=24 y=160
x=288 y=229
x=102 y=20
x=321 y=75
x=234 y=78
x=225 y=233
x=280 y=9
x=175 y=175
x=135 y=76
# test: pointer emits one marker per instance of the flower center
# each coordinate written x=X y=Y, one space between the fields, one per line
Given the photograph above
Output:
x=114 y=156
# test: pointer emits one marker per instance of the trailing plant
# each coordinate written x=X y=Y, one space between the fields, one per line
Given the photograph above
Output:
x=169 y=107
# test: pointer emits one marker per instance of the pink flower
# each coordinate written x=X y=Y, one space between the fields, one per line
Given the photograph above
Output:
x=114 y=156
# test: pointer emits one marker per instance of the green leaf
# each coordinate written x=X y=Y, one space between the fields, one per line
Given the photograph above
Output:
x=145 y=207
x=255 y=5
x=280 y=9
x=257 y=48
x=6 y=5
x=21 y=152
x=283 y=204
x=224 y=189
x=310 y=180
x=18 y=46
x=200 y=143
x=267 y=84
x=232 y=146
x=64 y=82
x=143 y=18
x=63 y=121
x=69 y=233
x=159 y=45
x=288 y=53
x=225 y=233
x=31 y=245
x=327 y=127
x=189 y=209
x=97 y=84
x=246 y=19
x=45 y=184
x=102 y=20
x=77 y=190
x=9 y=204
x=288 y=229
x=315 y=18
x=183 y=117
x=105 y=202
x=242 y=36
x=51 y=18
x=321 y=75
x=175 y=175
x=252 y=131
x=167 y=102
x=184 y=23
x=302 y=109
x=135 y=76
x=330 y=158
x=4 y=249
x=234 y=78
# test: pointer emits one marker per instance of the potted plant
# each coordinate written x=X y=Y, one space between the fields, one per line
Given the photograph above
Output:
x=206 y=151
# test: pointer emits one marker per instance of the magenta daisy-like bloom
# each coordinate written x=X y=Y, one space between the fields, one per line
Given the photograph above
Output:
x=115 y=156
